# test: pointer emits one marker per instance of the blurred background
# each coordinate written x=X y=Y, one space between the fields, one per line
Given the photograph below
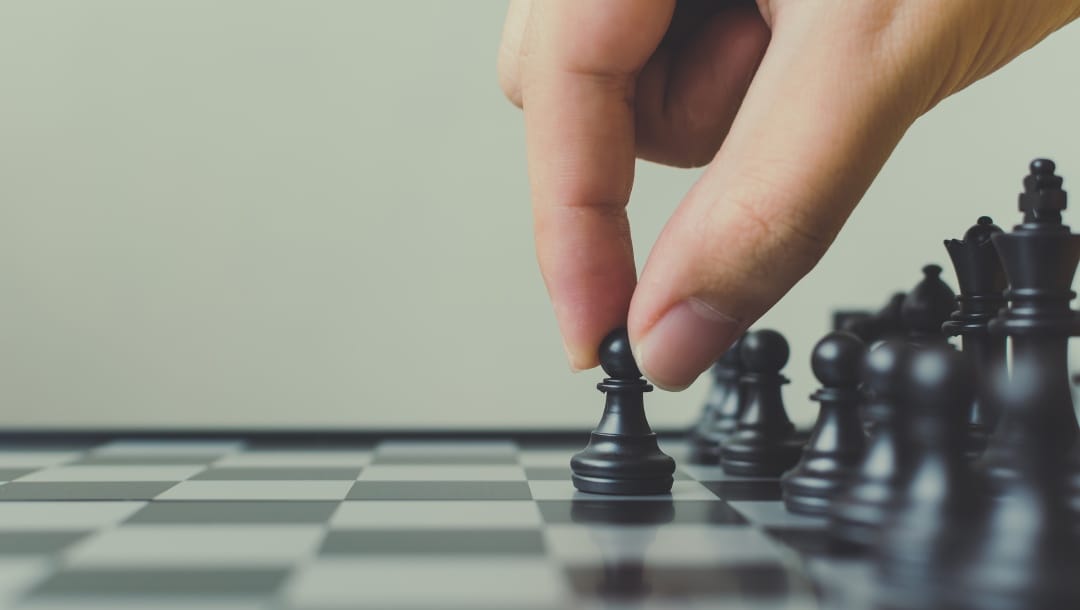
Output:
x=307 y=215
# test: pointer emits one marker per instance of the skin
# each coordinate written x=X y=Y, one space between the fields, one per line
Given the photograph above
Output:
x=793 y=106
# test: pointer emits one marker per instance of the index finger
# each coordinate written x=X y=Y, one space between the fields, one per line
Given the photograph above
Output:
x=578 y=69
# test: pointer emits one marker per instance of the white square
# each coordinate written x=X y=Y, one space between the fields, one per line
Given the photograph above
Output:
x=65 y=516
x=295 y=459
x=113 y=473
x=414 y=448
x=442 y=473
x=564 y=490
x=36 y=459
x=546 y=457
x=436 y=515
x=258 y=490
x=144 y=546
x=151 y=446
x=504 y=583
x=19 y=575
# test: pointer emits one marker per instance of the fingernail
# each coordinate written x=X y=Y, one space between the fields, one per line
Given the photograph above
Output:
x=685 y=342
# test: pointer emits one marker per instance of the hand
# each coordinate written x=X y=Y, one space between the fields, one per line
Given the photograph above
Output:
x=794 y=105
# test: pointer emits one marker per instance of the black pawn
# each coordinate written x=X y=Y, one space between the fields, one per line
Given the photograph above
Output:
x=722 y=409
x=937 y=494
x=859 y=510
x=927 y=307
x=622 y=456
x=837 y=442
x=764 y=443
x=1024 y=548
x=886 y=323
x=982 y=286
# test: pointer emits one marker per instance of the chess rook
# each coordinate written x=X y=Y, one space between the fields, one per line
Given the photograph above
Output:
x=982 y=286
x=622 y=456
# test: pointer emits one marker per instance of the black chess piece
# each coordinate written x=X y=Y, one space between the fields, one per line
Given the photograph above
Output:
x=622 y=456
x=886 y=323
x=927 y=307
x=764 y=443
x=937 y=491
x=857 y=513
x=982 y=286
x=1040 y=257
x=722 y=408
x=837 y=442
x=1023 y=549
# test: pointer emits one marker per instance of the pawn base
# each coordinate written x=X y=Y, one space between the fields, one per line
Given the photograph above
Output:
x=760 y=459
x=622 y=465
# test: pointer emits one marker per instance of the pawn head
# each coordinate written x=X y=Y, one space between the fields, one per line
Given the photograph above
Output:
x=616 y=358
x=929 y=304
x=837 y=359
x=764 y=351
x=943 y=381
x=884 y=367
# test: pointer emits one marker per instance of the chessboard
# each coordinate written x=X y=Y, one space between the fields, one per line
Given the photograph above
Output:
x=435 y=521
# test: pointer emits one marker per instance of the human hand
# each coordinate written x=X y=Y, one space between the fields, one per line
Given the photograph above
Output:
x=794 y=105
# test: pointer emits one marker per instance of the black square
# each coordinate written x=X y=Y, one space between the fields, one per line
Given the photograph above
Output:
x=433 y=542
x=440 y=490
x=83 y=490
x=234 y=512
x=10 y=474
x=562 y=473
x=813 y=542
x=150 y=459
x=171 y=582
x=445 y=459
x=633 y=580
x=267 y=473
x=745 y=491
x=639 y=512
x=37 y=542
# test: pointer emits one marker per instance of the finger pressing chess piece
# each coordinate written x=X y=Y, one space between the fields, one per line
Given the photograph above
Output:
x=622 y=456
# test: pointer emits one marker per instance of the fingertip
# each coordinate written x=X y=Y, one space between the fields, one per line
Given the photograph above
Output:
x=684 y=343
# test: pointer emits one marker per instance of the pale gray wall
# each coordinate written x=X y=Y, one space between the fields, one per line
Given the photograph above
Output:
x=312 y=214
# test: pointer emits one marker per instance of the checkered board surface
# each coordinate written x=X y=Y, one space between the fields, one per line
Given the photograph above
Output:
x=425 y=523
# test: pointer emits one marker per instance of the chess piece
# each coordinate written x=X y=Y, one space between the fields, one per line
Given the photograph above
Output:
x=837 y=442
x=1023 y=549
x=884 y=324
x=1040 y=257
x=764 y=443
x=937 y=491
x=722 y=409
x=927 y=307
x=982 y=286
x=622 y=456
x=860 y=508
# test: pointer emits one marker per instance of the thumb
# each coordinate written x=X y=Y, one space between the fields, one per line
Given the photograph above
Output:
x=817 y=124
